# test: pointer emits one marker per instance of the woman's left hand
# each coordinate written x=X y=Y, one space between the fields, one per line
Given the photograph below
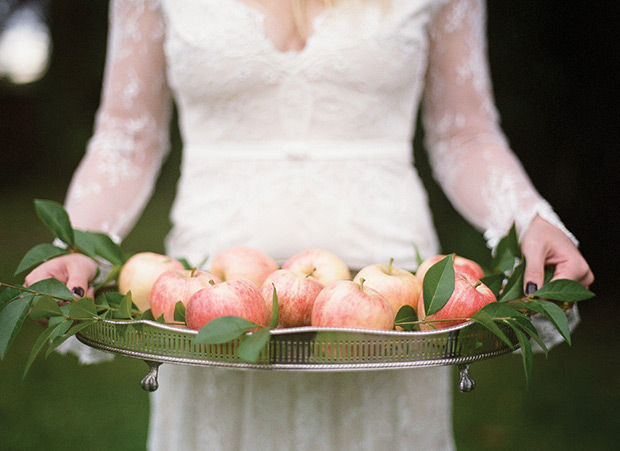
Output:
x=544 y=245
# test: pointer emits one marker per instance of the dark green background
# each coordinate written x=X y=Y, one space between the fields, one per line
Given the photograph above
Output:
x=557 y=94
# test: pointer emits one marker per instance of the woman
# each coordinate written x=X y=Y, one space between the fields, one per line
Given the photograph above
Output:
x=297 y=120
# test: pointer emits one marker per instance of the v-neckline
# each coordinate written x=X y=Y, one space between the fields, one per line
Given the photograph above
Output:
x=260 y=18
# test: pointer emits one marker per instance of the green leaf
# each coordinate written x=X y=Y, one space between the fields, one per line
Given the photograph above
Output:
x=112 y=276
x=179 y=311
x=61 y=328
x=494 y=282
x=9 y=294
x=12 y=318
x=507 y=252
x=39 y=254
x=44 y=307
x=102 y=245
x=252 y=345
x=406 y=314
x=526 y=352
x=111 y=299
x=223 y=330
x=418 y=256
x=56 y=219
x=147 y=315
x=49 y=334
x=60 y=339
x=526 y=325
x=563 y=290
x=514 y=285
x=126 y=306
x=275 y=309
x=84 y=243
x=52 y=287
x=83 y=308
x=185 y=263
x=557 y=317
x=41 y=341
x=484 y=318
x=438 y=285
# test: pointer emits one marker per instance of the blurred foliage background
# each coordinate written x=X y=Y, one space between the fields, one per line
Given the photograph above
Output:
x=557 y=96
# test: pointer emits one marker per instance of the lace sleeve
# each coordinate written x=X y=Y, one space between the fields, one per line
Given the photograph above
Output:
x=117 y=175
x=469 y=154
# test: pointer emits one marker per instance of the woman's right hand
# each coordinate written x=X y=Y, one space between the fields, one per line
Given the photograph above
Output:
x=76 y=271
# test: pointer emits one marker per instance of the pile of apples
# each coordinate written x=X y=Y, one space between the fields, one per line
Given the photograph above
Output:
x=314 y=288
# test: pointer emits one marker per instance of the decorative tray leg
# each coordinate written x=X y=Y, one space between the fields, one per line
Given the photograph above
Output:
x=149 y=383
x=466 y=383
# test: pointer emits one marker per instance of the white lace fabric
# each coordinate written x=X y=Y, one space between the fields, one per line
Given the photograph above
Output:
x=289 y=150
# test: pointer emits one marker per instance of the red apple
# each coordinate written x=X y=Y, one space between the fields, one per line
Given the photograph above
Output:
x=461 y=265
x=398 y=286
x=346 y=303
x=243 y=263
x=469 y=296
x=140 y=272
x=239 y=297
x=325 y=266
x=296 y=295
x=174 y=286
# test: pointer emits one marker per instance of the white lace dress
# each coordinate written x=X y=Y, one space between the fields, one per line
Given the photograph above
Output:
x=289 y=150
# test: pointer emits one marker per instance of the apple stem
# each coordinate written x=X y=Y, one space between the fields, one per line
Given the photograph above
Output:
x=311 y=272
x=477 y=283
x=193 y=272
x=390 y=266
x=362 y=280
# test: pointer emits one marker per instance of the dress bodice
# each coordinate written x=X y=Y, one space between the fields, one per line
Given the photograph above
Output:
x=362 y=75
x=359 y=76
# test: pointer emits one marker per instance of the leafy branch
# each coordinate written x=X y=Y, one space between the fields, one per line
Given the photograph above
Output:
x=514 y=308
x=52 y=302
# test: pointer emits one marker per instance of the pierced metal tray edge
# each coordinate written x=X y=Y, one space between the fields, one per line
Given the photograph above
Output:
x=299 y=333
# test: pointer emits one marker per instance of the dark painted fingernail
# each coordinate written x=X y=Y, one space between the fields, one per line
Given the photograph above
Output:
x=530 y=288
x=78 y=291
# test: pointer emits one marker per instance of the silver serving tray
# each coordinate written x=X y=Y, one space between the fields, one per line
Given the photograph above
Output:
x=303 y=348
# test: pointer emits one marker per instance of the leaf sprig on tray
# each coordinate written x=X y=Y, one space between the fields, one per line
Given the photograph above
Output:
x=51 y=301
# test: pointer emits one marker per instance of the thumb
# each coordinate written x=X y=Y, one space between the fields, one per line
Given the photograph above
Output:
x=80 y=272
x=534 y=274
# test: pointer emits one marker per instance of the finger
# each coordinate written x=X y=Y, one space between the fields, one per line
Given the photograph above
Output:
x=534 y=274
x=80 y=273
x=575 y=269
x=45 y=271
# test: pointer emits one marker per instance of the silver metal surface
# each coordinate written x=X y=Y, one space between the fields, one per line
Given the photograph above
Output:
x=303 y=348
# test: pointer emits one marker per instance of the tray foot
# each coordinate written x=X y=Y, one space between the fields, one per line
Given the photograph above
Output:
x=466 y=383
x=150 y=383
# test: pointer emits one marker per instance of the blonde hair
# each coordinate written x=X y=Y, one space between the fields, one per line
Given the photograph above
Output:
x=299 y=14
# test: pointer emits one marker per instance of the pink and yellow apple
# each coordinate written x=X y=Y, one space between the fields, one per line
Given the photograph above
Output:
x=398 y=286
x=243 y=263
x=140 y=272
x=296 y=295
x=461 y=265
x=469 y=296
x=239 y=297
x=179 y=285
x=325 y=266
x=349 y=304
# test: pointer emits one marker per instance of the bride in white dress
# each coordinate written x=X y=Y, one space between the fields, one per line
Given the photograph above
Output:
x=297 y=120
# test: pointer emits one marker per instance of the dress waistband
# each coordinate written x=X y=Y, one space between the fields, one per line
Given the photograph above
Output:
x=332 y=150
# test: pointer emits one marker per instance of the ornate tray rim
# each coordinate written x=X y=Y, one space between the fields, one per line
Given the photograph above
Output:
x=299 y=333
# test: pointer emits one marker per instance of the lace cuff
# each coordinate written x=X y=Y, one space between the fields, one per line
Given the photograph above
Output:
x=86 y=355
